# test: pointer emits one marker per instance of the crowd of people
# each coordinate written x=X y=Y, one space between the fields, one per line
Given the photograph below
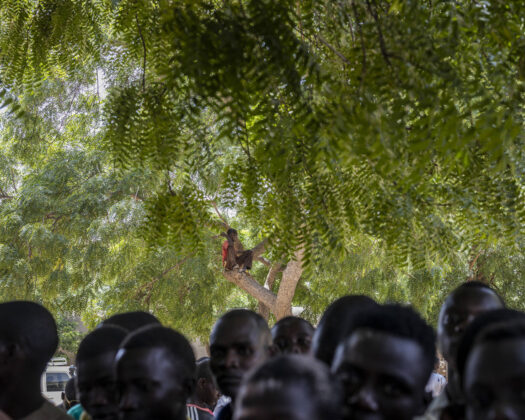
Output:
x=363 y=361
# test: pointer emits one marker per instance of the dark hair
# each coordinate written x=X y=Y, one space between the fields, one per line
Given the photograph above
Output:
x=131 y=321
x=284 y=372
x=231 y=231
x=477 y=326
x=102 y=340
x=32 y=327
x=474 y=284
x=514 y=330
x=203 y=369
x=260 y=322
x=292 y=320
x=330 y=332
x=403 y=322
x=155 y=336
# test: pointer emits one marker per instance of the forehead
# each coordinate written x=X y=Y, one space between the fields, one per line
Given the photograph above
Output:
x=290 y=328
x=239 y=329
x=497 y=363
x=383 y=354
x=96 y=367
x=472 y=300
x=154 y=363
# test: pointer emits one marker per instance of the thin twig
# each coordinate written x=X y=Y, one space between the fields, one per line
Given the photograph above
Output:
x=382 y=44
x=144 y=54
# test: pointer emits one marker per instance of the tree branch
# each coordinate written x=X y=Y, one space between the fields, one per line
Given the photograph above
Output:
x=264 y=310
x=144 y=54
x=247 y=283
x=146 y=290
x=219 y=214
x=382 y=44
x=291 y=276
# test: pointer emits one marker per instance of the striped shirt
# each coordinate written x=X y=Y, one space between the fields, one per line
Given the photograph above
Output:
x=198 y=413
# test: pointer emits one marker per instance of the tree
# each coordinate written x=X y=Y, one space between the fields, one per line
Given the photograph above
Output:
x=311 y=123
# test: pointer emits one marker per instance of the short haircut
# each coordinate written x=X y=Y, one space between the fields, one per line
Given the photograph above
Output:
x=514 y=330
x=260 y=322
x=476 y=327
x=402 y=322
x=336 y=324
x=284 y=372
x=156 y=336
x=474 y=284
x=131 y=321
x=203 y=369
x=231 y=231
x=292 y=320
x=102 y=340
x=31 y=326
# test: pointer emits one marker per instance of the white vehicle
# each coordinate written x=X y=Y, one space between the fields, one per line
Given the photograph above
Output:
x=54 y=380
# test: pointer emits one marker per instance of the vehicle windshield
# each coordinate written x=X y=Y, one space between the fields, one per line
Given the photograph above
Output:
x=56 y=381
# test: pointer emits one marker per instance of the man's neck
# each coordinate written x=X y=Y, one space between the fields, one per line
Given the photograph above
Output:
x=18 y=403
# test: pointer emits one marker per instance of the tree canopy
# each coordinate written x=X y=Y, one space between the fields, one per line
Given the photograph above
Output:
x=379 y=141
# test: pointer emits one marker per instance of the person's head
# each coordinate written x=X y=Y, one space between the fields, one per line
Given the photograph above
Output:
x=461 y=307
x=131 y=321
x=482 y=322
x=291 y=387
x=232 y=233
x=385 y=364
x=155 y=374
x=69 y=396
x=95 y=380
x=329 y=332
x=293 y=335
x=239 y=341
x=206 y=390
x=28 y=340
x=494 y=382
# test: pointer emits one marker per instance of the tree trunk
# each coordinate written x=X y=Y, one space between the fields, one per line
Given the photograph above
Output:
x=291 y=276
x=264 y=310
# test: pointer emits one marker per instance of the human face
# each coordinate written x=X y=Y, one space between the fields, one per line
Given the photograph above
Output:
x=290 y=403
x=293 y=337
x=151 y=385
x=236 y=346
x=96 y=386
x=383 y=376
x=459 y=310
x=495 y=381
x=207 y=392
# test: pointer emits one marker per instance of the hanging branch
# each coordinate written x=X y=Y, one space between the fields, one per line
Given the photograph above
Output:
x=144 y=54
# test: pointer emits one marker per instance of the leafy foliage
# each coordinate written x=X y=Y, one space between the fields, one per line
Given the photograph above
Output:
x=386 y=137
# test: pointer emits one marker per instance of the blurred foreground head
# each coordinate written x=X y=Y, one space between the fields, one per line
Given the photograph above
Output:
x=239 y=341
x=96 y=381
x=131 y=321
x=292 y=387
x=28 y=340
x=385 y=364
x=336 y=324
x=460 y=308
x=155 y=374
x=494 y=380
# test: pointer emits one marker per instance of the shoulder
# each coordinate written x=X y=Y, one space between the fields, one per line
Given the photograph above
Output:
x=225 y=413
x=48 y=412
